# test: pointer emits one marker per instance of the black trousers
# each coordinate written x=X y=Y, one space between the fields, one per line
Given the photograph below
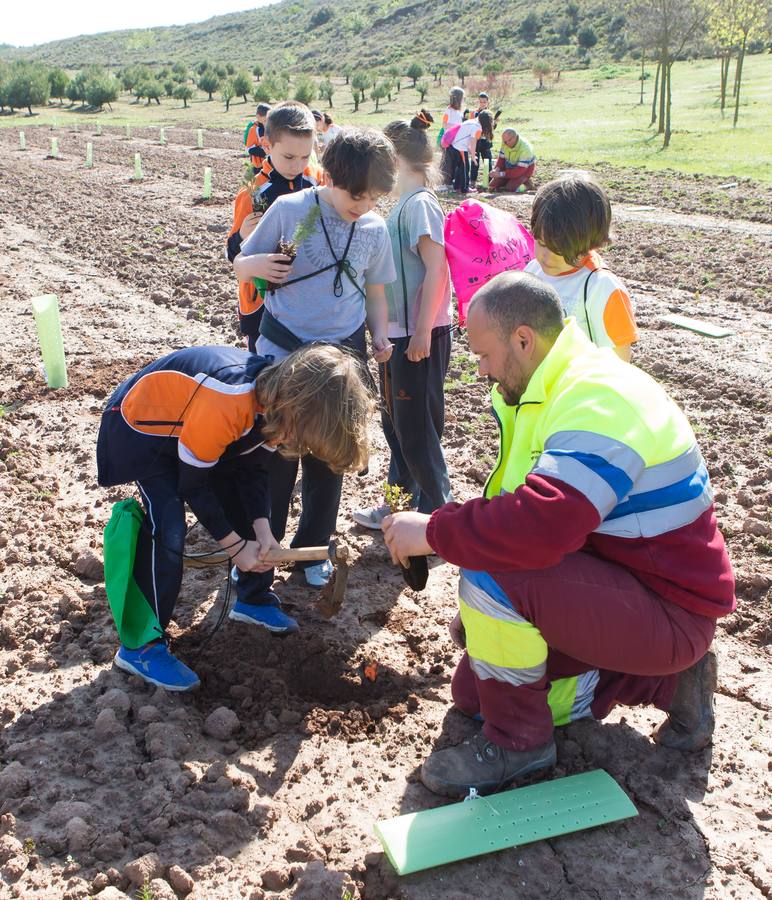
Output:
x=160 y=547
x=461 y=171
x=413 y=418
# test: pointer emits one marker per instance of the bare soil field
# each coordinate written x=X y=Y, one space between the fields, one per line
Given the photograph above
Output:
x=98 y=770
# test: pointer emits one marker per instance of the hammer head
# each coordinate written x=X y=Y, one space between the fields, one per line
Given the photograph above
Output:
x=332 y=594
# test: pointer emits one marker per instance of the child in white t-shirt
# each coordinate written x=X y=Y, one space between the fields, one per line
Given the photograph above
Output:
x=464 y=146
x=570 y=222
x=453 y=115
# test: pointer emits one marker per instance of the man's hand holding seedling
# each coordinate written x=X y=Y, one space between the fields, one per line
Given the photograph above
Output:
x=405 y=534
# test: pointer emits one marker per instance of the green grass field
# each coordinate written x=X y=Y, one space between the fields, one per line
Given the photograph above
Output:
x=587 y=116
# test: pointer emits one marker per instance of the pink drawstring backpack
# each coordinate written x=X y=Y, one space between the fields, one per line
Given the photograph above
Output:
x=480 y=242
x=448 y=136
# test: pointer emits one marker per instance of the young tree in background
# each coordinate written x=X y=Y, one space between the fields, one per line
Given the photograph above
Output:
x=423 y=89
x=414 y=72
x=360 y=81
x=462 y=70
x=305 y=90
x=209 y=82
x=227 y=92
x=100 y=88
x=257 y=71
x=58 y=80
x=541 y=70
x=752 y=23
x=668 y=26
x=28 y=85
x=378 y=93
x=183 y=92
x=395 y=74
x=242 y=84
x=355 y=93
x=326 y=90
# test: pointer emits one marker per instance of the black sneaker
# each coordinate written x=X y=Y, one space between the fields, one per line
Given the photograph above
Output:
x=479 y=763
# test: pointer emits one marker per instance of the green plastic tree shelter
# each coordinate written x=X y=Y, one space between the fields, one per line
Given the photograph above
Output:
x=135 y=620
x=54 y=147
x=99 y=129
x=89 y=155
x=46 y=312
x=162 y=137
x=200 y=138
x=128 y=132
x=22 y=141
x=207 y=183
x=481 y=825
x=137 y=167
x=698 y=325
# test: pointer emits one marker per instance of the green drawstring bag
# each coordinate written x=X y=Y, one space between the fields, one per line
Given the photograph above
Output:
x=135 y=620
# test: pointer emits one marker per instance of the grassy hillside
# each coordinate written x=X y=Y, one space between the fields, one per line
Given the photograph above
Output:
x=586 y=117
x=318 y=35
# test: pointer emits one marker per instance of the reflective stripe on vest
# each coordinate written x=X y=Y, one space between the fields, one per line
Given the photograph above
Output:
x=608 y=430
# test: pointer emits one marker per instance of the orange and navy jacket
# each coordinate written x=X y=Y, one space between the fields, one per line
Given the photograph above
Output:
x=254 y=141
x=187 y=414
x=269 y=184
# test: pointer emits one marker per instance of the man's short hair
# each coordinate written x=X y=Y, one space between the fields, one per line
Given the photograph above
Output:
x=289 y=118
x=511 y=299
x=483 y=95
x=263 y=109
x=361 y=161
x=571 y=216
x=317 y=115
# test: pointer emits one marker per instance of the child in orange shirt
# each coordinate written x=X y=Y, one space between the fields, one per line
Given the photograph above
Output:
x=570 y=222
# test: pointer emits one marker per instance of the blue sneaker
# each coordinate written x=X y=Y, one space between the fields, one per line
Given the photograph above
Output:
x=154 y=664
x=270 y=617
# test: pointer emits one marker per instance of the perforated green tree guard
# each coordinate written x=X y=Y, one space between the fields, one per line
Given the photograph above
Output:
x=162 y=137
x=22 y=141
x=200 y=138
x=137 y=167
x=447 y=834
x=89 y=155
x=54 y=147
x=46 y=312
x=706 y=328
x=207 y=183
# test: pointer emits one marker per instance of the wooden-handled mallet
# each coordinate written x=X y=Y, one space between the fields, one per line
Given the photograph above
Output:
x=332 y=594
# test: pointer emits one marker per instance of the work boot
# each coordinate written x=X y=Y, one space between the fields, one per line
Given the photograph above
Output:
x=478 y=763
x=690 y=721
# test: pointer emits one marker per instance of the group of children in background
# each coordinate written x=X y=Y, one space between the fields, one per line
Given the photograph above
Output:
x=350 y=270
x=467 y=138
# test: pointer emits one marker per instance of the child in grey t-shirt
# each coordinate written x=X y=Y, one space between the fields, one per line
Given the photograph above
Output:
x=420 y=315
x=333 y=287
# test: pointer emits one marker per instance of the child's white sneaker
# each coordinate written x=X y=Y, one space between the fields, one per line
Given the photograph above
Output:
x=372 y=517
x=317 y=576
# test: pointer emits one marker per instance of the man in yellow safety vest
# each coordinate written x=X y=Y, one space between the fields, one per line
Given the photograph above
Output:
x=592 y=569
